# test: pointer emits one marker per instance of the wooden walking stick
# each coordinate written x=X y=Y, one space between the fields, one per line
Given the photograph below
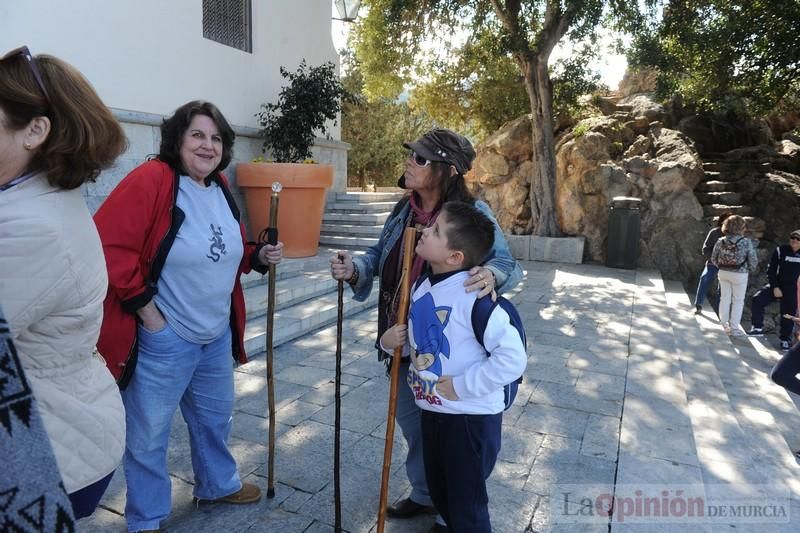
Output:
x=337 y=424
x=402 y=317
x=272 y=239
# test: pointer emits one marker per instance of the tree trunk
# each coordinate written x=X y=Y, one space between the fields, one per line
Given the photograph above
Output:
x=543 y=181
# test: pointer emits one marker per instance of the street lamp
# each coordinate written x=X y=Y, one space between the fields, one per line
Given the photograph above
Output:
x=347 y=9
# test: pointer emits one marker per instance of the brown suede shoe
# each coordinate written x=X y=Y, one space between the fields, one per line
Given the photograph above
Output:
x=249 y=493
x=407 y=508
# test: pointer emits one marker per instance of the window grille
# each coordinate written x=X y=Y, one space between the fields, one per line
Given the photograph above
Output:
x=228 y=22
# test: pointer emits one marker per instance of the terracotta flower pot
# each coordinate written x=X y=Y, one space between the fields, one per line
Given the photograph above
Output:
x=302 y=201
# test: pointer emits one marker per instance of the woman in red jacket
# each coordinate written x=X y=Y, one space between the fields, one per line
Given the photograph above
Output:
x=174 y=313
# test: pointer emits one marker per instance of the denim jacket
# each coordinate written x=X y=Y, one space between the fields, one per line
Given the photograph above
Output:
x=505 y=268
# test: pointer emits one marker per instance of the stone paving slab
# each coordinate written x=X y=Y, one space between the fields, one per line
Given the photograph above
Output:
x=603 y=403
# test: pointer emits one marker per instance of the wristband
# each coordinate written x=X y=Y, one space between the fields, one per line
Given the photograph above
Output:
x=354 y=278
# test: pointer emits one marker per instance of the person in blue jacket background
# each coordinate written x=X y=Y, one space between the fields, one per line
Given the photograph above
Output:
x=782 y=272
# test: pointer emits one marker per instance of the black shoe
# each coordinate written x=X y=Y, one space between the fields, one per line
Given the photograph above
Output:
x=438 y=528
x=407 y=508
x=698 y=309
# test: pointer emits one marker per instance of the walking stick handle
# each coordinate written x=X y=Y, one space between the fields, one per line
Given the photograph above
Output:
x=409 y=239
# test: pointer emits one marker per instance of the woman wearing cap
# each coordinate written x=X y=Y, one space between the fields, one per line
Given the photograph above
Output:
x=55 y=135
x=434 y=174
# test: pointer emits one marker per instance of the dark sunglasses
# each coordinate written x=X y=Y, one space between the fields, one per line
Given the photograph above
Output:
x=30 y=61
x=419 y=160
x=794 y=237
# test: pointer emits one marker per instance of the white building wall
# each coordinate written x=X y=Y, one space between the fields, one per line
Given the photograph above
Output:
x=145 y=58
x=150 y=55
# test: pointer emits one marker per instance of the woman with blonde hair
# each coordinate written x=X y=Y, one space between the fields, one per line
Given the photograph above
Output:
x=735 y=256
x=55 y=135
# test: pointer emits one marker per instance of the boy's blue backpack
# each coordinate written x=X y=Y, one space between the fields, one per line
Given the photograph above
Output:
x=481 y=310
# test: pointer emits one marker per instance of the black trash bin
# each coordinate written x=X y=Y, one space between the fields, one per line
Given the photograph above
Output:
x=624 y=223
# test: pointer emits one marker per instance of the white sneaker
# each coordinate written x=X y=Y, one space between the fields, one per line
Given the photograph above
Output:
x=738 y=332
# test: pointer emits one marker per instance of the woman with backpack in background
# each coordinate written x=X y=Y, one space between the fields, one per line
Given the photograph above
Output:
x=735 y=257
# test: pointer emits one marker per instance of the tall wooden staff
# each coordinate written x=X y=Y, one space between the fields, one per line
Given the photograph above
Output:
x=402 y=317
x=337 y=424
x=272 y=238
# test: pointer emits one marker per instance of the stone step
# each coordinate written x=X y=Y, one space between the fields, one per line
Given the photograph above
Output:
x=714 y=175
x=730 y=381
x=716 y=185
x=357 y=207
x=367 y=197
x=288 y=292
x=656 y=438
x=300 y=319
x=287 y=269
x=355 y=219
x=742 y=166
x=348 y=242
x=351 y=230
x=719 y=438
x=721 y=197
x=719 y=209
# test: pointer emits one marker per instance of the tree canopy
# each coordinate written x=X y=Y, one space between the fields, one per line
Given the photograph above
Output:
x=398 y=40
x=725 y=54
x=376 y=130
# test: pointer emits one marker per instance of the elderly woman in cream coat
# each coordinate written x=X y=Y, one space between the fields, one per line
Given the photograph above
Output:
x=56 y=134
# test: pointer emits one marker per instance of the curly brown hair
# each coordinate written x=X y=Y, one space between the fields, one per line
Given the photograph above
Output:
x=84 y=136
x=733 y=225
x=173 y=128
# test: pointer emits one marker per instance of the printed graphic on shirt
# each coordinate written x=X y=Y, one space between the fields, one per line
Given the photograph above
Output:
x=217 y=244
x=428 y=322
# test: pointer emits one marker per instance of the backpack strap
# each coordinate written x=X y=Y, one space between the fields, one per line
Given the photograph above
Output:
x=483 y=308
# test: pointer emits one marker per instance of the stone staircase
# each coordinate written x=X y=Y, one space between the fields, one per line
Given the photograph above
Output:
x=719 y=191
x=305 y=300
x=306 y=294
x=354 y=220
x=700 y=408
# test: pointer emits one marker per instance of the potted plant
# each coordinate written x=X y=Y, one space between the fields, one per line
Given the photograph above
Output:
x=312 y=97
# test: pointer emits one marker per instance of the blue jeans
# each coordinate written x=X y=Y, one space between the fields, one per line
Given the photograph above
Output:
x=706 y=280
x=408 y=418
x=170 y=372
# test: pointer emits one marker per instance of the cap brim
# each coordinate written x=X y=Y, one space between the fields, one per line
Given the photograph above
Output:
x=425 y=152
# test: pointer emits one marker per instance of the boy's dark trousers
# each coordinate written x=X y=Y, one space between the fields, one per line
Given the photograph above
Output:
x=764 y=297
x=460 y=452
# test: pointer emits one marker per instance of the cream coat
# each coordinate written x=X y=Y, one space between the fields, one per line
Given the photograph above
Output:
x=52 y=284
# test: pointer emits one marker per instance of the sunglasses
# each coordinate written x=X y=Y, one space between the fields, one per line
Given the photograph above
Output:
x=794 y=237
x=419 y=160
x=30 y=61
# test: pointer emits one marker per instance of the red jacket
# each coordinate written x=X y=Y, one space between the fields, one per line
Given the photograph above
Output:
x=137 y=225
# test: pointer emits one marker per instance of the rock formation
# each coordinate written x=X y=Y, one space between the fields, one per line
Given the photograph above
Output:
x=627 y=149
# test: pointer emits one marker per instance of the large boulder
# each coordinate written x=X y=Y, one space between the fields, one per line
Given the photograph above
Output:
x=623 y=153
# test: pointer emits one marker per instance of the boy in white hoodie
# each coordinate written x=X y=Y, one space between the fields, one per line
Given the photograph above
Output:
x=458 y=381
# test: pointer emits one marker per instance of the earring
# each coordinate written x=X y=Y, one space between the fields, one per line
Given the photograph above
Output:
x=27 y=146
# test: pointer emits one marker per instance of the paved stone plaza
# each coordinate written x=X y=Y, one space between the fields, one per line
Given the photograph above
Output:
x=625 y=388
